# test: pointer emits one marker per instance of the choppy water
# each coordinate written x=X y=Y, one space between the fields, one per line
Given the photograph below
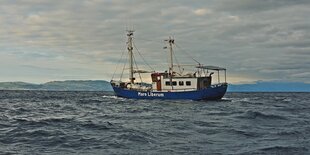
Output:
x=42 y=122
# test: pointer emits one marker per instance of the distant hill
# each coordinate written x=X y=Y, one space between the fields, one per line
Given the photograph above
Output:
x=71 y=85
x=18 y=86
x=261 y=86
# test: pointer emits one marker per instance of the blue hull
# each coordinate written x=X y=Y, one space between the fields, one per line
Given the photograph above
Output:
x=214 y=92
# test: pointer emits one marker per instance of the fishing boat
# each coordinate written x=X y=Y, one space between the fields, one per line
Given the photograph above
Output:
x=170 y=84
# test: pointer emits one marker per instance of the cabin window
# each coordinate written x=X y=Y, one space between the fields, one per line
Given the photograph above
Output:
x=174 y=83
x=181 y=83
x=168 y=83
x=188 y=83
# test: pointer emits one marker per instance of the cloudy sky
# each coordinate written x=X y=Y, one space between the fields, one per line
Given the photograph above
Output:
x=45 y=40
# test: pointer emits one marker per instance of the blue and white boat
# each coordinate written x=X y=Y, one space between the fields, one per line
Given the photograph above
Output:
x=171 y=84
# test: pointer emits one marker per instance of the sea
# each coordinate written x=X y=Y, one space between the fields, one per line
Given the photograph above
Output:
x=75 y=122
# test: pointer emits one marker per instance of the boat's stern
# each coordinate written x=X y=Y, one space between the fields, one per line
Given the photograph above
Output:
x=215 y=91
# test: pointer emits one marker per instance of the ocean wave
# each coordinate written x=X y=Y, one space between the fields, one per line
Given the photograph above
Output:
x=277 y=150
x=284 y=150
x=128 y=136
x=289 y=133
x=81 y=142
x=42 y=121
x=242 y=100
x=98 y=122
x=260 y=115
x=90 y=101
x=97 y=126
x=30 y=135
x=205 y=124
x=246 y=133
x=132 y=137
x=247 y=101
x=112 y=97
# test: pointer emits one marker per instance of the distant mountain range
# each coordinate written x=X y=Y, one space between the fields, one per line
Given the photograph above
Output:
x=101 y=85
x=262 y=86
x=71 y=85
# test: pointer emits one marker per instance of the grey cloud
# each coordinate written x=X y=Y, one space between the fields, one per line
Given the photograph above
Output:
x=251 y=38
x=253 y=6
x=295 y=44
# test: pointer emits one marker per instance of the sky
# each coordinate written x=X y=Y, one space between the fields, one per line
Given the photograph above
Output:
x=256 y=40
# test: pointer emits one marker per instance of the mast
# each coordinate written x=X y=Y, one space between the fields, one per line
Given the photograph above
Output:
x=130 y=48
x=170 y=42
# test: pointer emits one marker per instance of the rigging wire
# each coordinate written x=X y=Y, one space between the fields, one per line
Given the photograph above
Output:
x=157 y=42
x=123 y=68
x=187 y=53
x=175 y=57
x=143 y=57
x=118 y=64
x=134 y=60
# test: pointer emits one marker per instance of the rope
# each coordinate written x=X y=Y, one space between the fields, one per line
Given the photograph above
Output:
x=143 y=57
x=134 y=59
x=177 y=61
x=123 y=69
x=118 y=65
x=187 y=53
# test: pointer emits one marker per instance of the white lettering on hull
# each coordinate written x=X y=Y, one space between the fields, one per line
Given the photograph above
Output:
x=151 y=94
